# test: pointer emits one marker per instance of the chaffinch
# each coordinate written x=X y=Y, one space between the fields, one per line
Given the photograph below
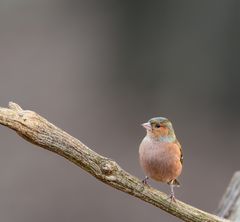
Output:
x=160 y=153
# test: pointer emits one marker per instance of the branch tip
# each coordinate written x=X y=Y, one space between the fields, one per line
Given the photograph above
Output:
x=14 y=106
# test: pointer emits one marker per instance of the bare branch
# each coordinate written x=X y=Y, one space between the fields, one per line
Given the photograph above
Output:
x=229 y=206
x=39 y=131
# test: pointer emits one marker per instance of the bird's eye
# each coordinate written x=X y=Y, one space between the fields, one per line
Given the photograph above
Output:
x=157 y=125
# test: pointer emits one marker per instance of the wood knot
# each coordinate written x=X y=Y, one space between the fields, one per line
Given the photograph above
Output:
x=108 y=167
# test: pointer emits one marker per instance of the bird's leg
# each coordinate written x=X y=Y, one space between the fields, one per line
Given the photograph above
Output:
x=172 y=196
x=172 y=184
x=144 y=181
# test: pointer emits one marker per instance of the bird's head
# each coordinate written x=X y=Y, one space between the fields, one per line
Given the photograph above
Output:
x=159 y=127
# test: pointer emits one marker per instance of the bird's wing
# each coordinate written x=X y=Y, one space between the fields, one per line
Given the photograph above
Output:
x=180 y=147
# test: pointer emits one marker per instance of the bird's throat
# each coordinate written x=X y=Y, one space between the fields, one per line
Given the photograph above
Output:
x=166 y=139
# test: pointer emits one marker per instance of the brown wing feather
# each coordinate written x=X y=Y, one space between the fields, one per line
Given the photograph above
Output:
x=180 y=147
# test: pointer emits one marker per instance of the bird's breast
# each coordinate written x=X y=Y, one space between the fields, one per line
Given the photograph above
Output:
x=160 y=160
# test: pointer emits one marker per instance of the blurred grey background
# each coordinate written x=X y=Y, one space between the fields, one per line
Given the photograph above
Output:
x=98 y=69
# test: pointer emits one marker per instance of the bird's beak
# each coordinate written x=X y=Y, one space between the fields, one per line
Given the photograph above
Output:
x=147 y=126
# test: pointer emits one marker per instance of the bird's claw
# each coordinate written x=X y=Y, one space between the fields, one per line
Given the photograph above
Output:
x=144 y=181
x=172 y=198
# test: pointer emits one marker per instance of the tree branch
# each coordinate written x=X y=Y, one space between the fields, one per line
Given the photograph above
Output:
x=40 y=132
x=229 y=206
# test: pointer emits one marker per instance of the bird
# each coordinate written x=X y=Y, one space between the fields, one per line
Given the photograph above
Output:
x=160 y=153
